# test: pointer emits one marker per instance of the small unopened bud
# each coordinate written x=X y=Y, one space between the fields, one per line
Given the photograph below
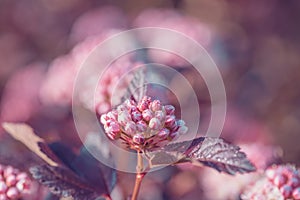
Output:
x=12 y=193
x=142 y=107
x=121 y=108
x=147 y=115
x=136 y=116
x=144 y=104
x=164 y=133
x=23 y=185
x=296 y=193
x=141 y=126
x=21 y=176
x=170 y=121
x=154 y=123
x=279 y=180
x=9 y=170
x=138 y=138
x=169 y=109
x=103 y=119
x=286 y=191
x=180 y=122
x=115 y=127
x=182 y=130
x=113 y=115
x=129 y=103
x=160 y=115
x=3 y=187
x=124 y=117
x=11 y=180
x=271 y=173
x=155 y=105
x=112 y=135
x=130 y=128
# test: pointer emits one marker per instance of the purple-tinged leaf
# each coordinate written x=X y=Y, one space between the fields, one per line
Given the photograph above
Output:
x=220 y=155
x=62 y=182
x=76 y=175
x=212 y=152
x=136 y=88
x=95 y=145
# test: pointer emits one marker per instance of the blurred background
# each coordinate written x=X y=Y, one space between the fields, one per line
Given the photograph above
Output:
x=255 y=44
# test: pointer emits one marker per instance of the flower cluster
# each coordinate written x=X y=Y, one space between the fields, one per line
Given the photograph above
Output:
x=13 y=183
x=280 y=181
x=143 y=124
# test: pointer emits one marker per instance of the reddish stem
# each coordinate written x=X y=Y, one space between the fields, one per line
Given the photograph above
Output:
x=139 y=176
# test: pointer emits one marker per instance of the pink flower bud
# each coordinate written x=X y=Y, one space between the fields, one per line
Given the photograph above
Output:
x=129 y=103
x=141 y=126
x=182 y=130
x=296 y=193
x=3 y=187
x=144 y=103
x=114 y=127
x=113 y=115
x=138 y=138
x=9 y=170
x=169 y=109
x=3 y=197
x=103 y=119
x=121 y=108
x=154 y=124
x=146 y=99
x=143 y=106
x=180 y=122
x=11 y=180
x=112 y=135
x=23 y=185
x=294 y=182
x=21 y=176
x=124 y=117
x=271 y=173
x=170 y=121
x=12 y=193
x=160 y=115
x=155 y=105
x=280 y=180
x=286 y=191
x=147 y=115
x=164 y=133
x=130 y=128
x=136 y=116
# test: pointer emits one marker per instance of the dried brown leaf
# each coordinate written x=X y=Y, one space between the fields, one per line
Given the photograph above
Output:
x=25 y=134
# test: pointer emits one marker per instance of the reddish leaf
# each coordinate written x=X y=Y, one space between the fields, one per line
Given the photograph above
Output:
x=62 y=182
x=212 y=152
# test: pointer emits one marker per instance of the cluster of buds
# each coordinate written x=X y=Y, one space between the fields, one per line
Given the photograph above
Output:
x=13 y=183
x=286 y=178
x=282 y=180
x=143 y=125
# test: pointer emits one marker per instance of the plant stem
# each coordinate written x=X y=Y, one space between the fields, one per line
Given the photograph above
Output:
x=139 y=176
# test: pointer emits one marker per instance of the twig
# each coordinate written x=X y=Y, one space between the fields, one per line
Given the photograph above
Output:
x=139 y=176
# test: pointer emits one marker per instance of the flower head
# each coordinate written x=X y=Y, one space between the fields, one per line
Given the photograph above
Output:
x=279 y=182
x=144 y=124
x=13 y=183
